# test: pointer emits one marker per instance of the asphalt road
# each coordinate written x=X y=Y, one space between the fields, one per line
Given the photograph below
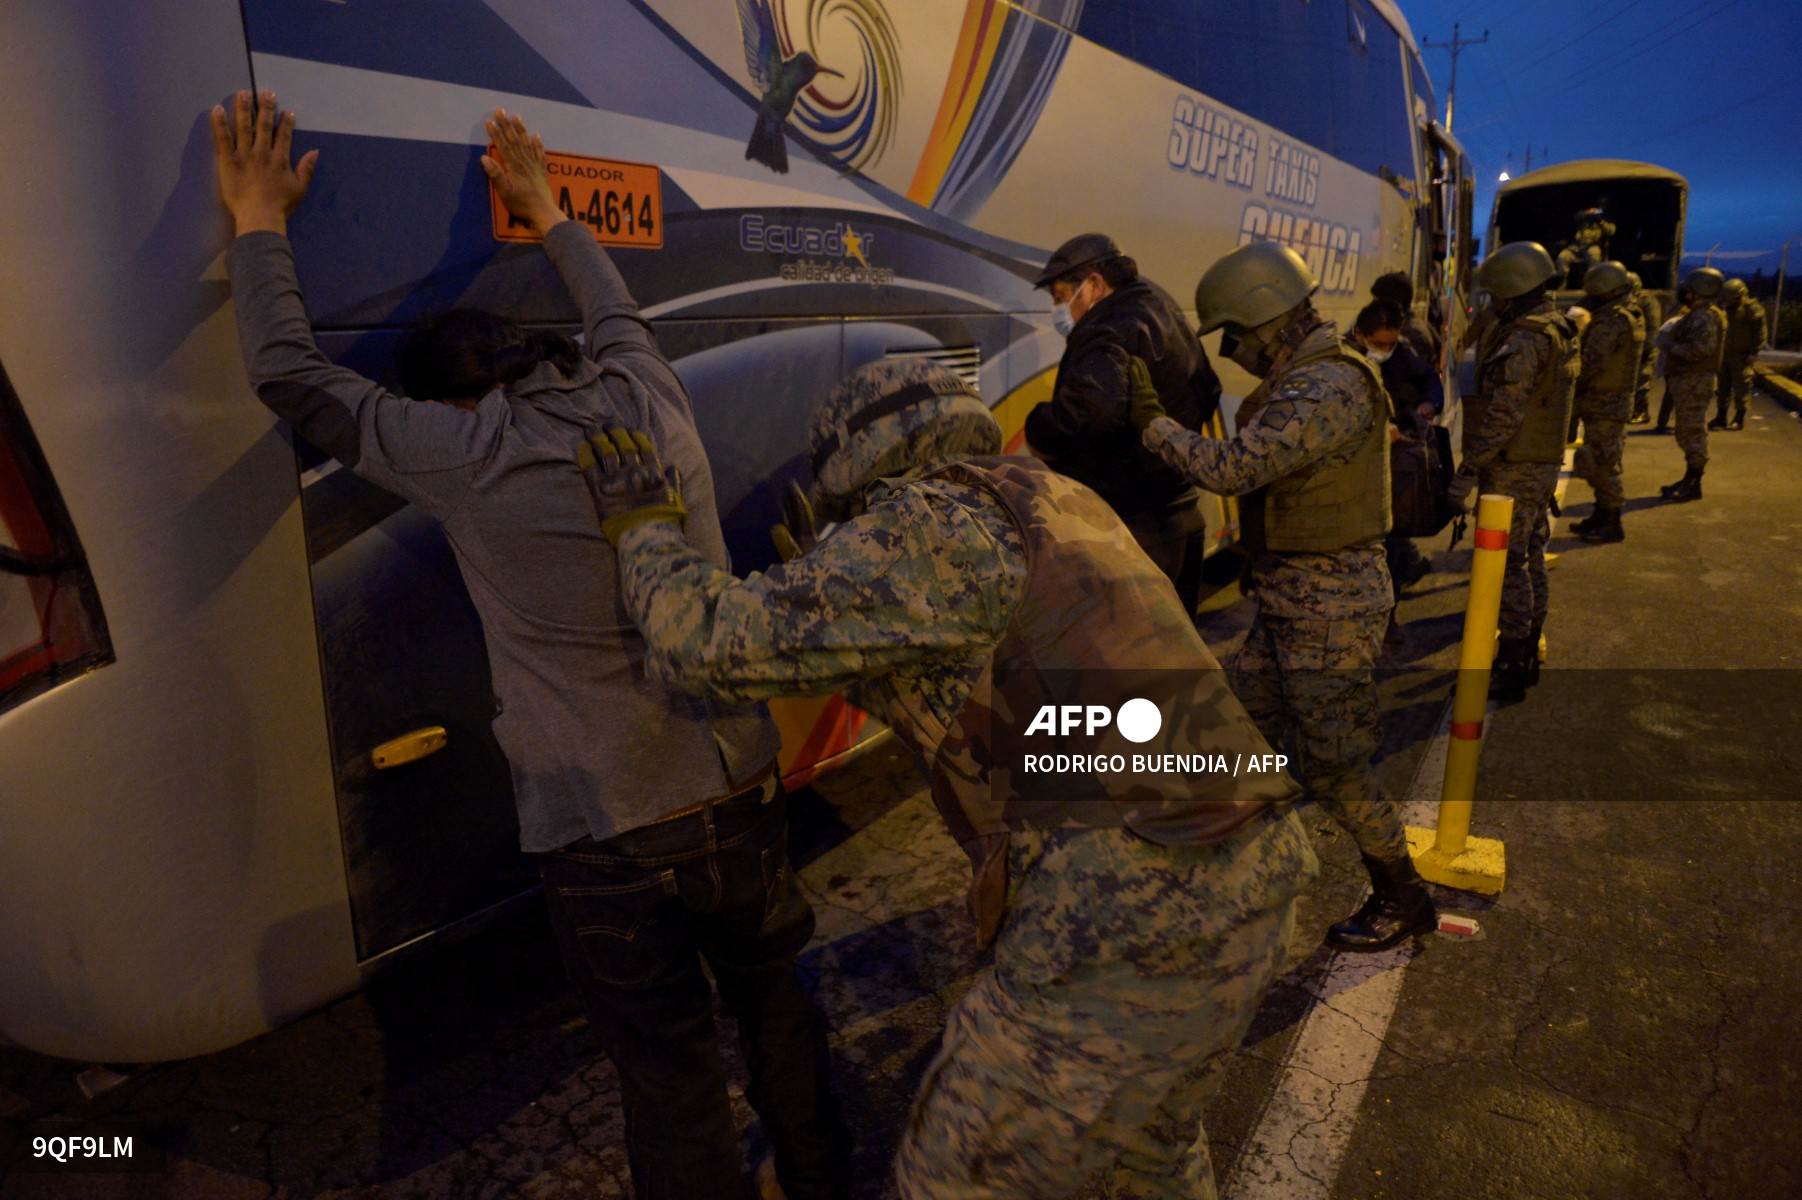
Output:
x=1623 y=1027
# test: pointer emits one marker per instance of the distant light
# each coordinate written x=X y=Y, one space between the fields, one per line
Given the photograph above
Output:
x=1504 y=178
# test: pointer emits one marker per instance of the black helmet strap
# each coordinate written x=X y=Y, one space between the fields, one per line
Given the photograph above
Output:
x=888 y=406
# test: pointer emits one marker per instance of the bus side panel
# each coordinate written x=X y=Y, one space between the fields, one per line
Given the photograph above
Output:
x=171 y=878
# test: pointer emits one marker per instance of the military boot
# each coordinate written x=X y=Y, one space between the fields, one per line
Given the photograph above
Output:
x=1719 y=422
x=1399 y=907
x=1588 y=523
x=1531 y=671
x=1607 y=528
x=1687 y=488
x=1508 y=677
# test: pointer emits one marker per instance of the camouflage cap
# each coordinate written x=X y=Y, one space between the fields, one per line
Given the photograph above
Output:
x=892 y=417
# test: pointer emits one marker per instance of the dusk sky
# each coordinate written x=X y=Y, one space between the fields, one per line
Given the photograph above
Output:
x=1708 y=88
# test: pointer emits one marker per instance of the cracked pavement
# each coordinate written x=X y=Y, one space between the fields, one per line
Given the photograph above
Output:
x=1624 y=1027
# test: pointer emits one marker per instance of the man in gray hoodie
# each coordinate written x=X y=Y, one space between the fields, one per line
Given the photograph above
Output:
x=658 y=819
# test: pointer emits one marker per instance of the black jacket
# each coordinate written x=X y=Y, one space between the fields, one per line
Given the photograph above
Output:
x=1082 y=431
x=1411 y=381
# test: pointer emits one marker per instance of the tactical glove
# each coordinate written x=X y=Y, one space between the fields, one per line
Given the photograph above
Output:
x=1142 y=403
x=799 y=532
x=627 y=481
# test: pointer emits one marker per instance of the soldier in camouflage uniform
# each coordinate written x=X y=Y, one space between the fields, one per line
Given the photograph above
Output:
x=1133 y=938
x=1526 y=370
x=1311 y=460
x=1745 y=338
x=1589 y=244
x=1691 y=372
x=1613 y=345
x=1651 y=309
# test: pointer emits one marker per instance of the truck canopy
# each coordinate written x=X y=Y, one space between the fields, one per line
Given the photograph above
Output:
x=1644 y=203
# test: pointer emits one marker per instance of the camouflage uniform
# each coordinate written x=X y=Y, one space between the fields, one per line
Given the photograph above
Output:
x=1692 y=367
x=1651 y=308
x=1588 y=245
x=1047 y=1073
x=1512 y=363
x=1612 y=348
x=1745 y=337
x=1306 y=666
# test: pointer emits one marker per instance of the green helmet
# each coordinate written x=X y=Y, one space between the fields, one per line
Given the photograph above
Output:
x=1733 y=292
x=889 y=417
x=1515 y=269
x=1633 y=278
x=1705 y=282
x=1254 y=284
x=1605 y=279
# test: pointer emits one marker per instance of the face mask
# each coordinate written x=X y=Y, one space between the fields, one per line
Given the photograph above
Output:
x=1062 y=319
x=1378 y=356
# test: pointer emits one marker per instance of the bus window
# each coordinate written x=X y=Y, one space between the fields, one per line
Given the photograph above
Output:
x=51 y=626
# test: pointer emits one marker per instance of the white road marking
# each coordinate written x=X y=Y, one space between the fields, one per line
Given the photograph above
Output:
x=1295 y=1150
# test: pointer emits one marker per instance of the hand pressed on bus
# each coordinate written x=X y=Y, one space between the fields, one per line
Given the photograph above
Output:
x=515 y=163
x=257 y=183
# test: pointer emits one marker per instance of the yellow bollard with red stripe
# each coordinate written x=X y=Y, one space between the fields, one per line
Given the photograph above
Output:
x=1449 y=855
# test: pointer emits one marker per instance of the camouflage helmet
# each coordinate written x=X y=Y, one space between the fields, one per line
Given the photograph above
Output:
x=1633 y=278
x=1734 y=292
x=1515 y=269
x=1606 y=279
x=1251 y=286
x=1705 y=282
x=891 y=417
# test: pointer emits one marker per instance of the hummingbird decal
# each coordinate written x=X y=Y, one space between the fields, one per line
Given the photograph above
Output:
x=780 y=79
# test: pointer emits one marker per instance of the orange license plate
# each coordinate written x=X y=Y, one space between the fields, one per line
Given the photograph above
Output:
x=620 y=202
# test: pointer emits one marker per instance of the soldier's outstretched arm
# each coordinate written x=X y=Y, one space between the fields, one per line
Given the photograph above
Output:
x=900 y=587
x=1523 y=356
x=1306 y=419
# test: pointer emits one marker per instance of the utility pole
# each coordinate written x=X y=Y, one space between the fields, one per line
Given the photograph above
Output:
x=1455 y=45
x=1777 y=308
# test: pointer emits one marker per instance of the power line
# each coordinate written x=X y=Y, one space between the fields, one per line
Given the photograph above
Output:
x=1456 y=45
x=1569 y=42
x=1720 y=112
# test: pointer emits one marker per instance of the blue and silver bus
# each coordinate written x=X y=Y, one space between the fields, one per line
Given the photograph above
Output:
x=244 y=708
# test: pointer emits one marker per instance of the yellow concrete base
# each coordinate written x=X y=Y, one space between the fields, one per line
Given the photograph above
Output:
x=1481 y=868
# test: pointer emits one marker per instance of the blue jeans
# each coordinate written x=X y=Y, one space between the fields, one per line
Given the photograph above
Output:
x=635 y=916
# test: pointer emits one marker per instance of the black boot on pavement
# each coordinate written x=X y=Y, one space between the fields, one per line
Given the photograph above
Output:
x=1399 y=907
x=1508 y=677
x=1607 y=528
x=1687 y=488
x=1590 y=522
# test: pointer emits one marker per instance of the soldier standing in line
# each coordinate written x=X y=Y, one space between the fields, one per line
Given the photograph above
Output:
x=1745 y=338
x=1526 y=369
x=1612 y=347
x=1133 y=938
x=1651 y=308
x=1310 y=459
x=1692 y=370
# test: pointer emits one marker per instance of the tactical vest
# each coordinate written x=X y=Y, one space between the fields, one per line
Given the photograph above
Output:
x=1619 y=372
x=1324 y=506
x=1712 y=364
x=1745 y=332
x=1541 y=436
x=1093 y=602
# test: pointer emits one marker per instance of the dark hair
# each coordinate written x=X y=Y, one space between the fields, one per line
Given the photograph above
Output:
x=1396 y=288
x=1116 y=272
x=466 y=353
x=1378 y=315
